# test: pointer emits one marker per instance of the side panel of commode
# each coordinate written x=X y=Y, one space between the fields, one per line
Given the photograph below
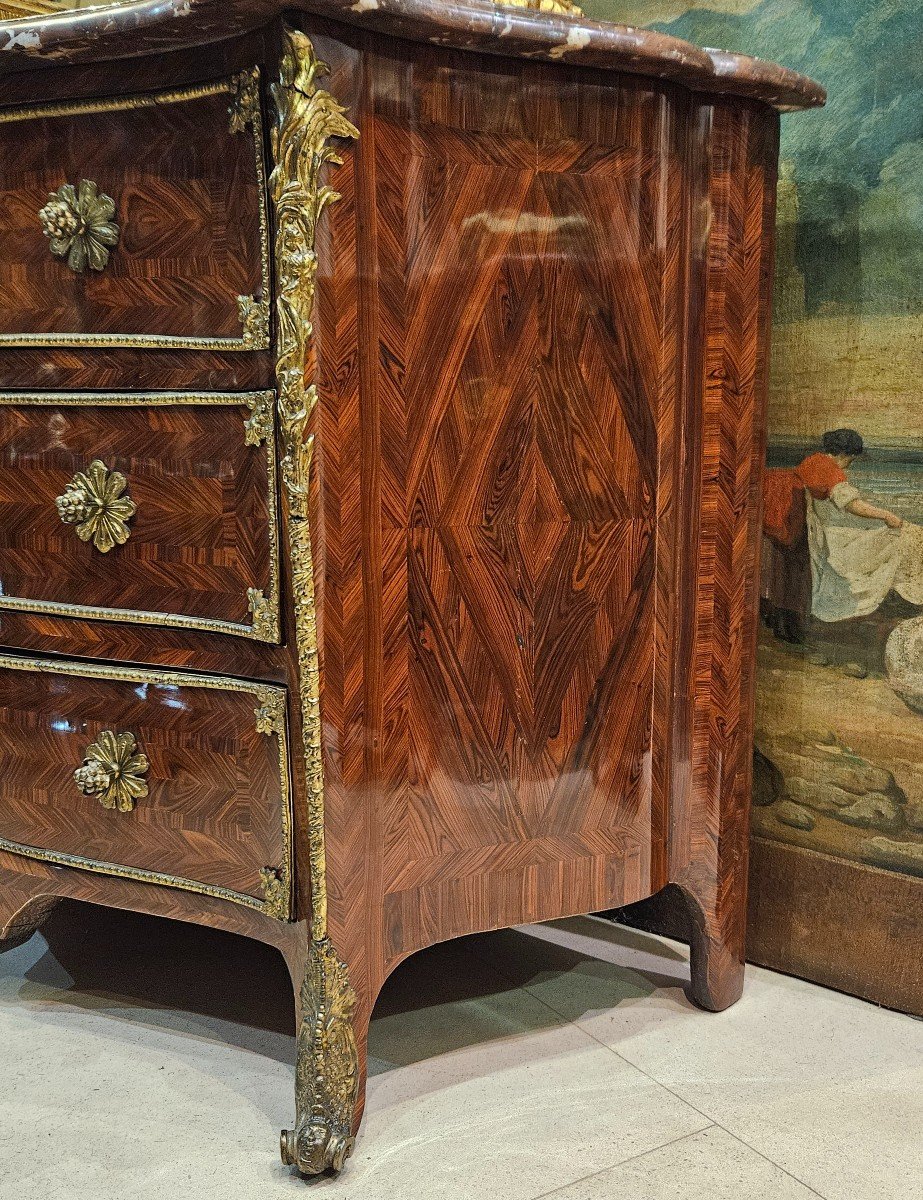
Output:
x=501 y=372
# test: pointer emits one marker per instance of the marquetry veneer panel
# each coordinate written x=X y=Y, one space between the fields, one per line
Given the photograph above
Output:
x=190 y=205
x=217 y=808
x=509 y=465
x=202 y=547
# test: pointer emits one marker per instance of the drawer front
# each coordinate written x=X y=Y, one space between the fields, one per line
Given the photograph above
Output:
x=180 y=779
x=156 y=507
x=160 y=235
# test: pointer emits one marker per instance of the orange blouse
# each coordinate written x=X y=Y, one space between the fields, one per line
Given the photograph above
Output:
x=783 y=495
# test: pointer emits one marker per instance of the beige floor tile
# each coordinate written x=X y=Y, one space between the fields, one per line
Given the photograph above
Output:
x=498 y=1103
x=148 y=1060
x=710 y=1165
x=108 y=1097
x=828 y=1086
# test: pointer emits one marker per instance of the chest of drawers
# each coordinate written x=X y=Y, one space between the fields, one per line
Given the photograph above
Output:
x=381 y=425
x=184 y=264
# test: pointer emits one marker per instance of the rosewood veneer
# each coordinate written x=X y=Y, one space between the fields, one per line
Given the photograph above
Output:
x=381 y=426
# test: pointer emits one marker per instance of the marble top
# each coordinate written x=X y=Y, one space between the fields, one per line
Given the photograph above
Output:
x=151 y=26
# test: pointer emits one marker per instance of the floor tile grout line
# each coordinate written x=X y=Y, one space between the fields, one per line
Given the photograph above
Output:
x=772 y=1161
x=624 y=1162
x=682 y=1099
x=709 y=1123
x=612 y=1050
x=605 y=1045
x=707 y=1117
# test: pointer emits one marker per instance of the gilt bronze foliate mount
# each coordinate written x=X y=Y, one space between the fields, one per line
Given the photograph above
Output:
x=96 y=502
x=113 y=769
x=78 y=224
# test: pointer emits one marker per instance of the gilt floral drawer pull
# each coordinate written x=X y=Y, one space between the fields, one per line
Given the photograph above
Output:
x=78 y=224
x=95 y=501
x=113 y=770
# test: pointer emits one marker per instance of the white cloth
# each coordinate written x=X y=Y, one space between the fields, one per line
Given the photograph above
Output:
x=856 y=562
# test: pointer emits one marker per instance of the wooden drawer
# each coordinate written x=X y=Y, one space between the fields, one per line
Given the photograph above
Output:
x=199 y=474
x=184 y=170
x=198 y=797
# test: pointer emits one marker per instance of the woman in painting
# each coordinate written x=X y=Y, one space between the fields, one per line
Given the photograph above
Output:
x=787 y=550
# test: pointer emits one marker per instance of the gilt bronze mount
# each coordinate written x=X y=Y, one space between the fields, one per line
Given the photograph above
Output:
x=78 y=224
x=96 y=502
x=113 y=769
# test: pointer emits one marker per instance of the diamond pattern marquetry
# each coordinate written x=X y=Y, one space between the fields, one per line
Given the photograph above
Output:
x=515 y=339
x=511 y=464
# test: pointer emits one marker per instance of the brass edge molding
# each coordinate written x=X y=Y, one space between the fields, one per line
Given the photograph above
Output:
x=307 y=118
x=125 y=341
x=244 y=111
x=259 y=428
x=70 y=108
x=133 y=616
x=269 y=697
x=255 y=333
x=60 y=859
x=117 y=399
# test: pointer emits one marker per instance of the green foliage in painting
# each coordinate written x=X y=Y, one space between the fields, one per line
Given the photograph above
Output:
x=859 y=162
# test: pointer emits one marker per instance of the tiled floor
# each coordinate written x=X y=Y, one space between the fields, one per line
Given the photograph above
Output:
x=143 y=1060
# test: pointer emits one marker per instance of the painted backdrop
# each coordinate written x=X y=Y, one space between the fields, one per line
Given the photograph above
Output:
x=839 y=765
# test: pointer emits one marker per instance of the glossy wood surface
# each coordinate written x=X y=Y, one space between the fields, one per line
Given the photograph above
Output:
x=214 y=809
x=203 y=532
x=539 y=342
x=734 y=151
x=89 y=369
x=186 y=201
x=76 y=636
x=513 y=451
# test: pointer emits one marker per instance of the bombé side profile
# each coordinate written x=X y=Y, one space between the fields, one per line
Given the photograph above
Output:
x=382 y=417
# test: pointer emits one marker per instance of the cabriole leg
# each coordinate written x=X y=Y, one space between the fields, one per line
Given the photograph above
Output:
x=330 y=1070
x=26 y=921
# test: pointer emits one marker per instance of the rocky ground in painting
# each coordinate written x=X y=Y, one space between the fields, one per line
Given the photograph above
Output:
x=903 y=656
x=837 y=766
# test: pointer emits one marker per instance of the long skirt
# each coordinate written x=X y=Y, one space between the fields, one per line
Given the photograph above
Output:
x=785 y=577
